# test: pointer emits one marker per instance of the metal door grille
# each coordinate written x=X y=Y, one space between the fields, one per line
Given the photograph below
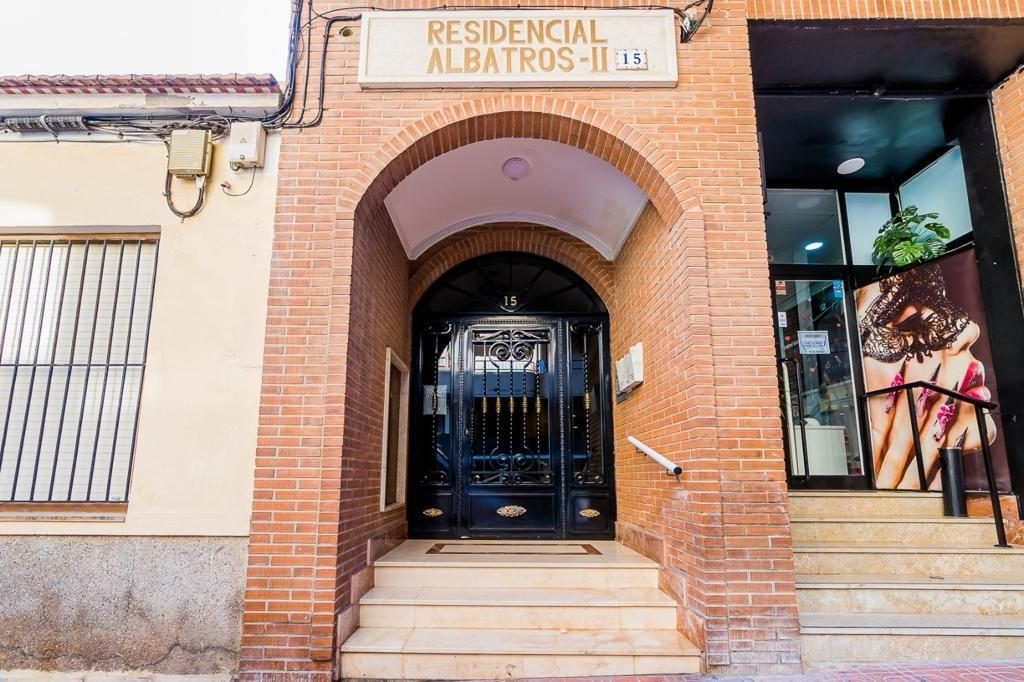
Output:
x=508 y=437
x=74 y=326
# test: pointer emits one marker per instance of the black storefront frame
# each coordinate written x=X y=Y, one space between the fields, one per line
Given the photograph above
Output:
x=999 y=281
x=852 y=277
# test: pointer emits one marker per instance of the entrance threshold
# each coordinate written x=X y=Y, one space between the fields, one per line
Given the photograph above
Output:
x=500 y=609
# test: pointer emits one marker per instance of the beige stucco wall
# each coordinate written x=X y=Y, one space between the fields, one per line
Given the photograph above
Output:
x=194 y=458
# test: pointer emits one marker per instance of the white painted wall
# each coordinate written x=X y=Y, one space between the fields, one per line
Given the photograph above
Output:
x=195 y=452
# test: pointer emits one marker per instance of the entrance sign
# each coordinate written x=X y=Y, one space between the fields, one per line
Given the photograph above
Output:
x=518 y=48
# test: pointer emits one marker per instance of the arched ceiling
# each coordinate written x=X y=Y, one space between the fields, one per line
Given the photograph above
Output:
x=564 y=187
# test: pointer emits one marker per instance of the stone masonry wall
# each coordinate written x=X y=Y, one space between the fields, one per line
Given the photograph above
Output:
x=165 y=605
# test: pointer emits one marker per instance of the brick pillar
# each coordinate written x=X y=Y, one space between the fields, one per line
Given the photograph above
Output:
x=1008 y=106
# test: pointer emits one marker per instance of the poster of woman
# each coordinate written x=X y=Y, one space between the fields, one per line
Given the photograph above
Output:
x=927 y=323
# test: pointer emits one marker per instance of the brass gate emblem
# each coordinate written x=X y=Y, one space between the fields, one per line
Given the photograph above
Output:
x=432 y=512
x=511 y=511
x=589 y=513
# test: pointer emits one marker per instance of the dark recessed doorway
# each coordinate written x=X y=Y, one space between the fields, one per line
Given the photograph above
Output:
x=511 y=426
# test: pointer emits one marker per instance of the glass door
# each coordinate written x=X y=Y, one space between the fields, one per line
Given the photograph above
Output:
x=818 y=380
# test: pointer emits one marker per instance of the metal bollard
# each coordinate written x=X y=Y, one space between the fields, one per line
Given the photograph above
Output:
x=954 y=495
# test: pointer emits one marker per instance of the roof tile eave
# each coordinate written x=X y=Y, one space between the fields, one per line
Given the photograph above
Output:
x=145 y=83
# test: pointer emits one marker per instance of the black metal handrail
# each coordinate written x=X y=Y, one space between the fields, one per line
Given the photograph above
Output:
x=979 y=407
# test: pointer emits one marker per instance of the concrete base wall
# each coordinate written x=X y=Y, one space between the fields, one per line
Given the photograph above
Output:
x=167 y=605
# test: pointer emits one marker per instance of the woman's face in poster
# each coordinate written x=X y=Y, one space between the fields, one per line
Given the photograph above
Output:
x=910 y=331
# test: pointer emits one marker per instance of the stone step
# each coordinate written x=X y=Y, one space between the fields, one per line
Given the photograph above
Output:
x=436 y=653
x=586 y=565
x=940 y=532
x=839 y=558
x=573 y=609
x=554 y=577
x=829 y=639
x=921 y=594
x=864 y=503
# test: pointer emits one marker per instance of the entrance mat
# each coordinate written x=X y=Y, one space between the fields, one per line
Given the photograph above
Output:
x=540 y=548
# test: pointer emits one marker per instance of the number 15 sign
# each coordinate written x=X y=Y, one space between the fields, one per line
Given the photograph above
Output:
x=631 y=60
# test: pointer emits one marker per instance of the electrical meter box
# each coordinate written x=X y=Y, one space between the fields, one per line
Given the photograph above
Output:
x=190 y=153
x=247 y=144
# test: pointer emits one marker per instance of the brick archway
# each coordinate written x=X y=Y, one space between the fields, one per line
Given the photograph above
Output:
x=340 y=296
x=538 y=240
x=547 y=118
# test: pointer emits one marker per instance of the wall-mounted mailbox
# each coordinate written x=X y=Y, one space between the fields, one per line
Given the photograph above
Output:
x=629 y=369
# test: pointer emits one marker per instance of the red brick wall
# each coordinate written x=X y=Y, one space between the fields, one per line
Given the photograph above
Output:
x=661 y=278
x=687 y=148
x=1008 y=105
x=691 y=284
x=338 y=299
x=884 y=9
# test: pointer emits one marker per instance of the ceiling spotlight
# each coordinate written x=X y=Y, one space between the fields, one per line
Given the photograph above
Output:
x=814 y=246
x=515 y=168
x=850 y=166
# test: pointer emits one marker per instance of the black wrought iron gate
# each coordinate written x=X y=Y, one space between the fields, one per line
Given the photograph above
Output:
x=510 y=429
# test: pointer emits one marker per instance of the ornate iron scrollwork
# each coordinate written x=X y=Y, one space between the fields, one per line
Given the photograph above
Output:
x=509 y=366
x=510 y=511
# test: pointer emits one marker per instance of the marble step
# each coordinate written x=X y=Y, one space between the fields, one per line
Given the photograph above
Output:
x=555 y=577
x=828 y=639
x=941 y=531
x=861 y=504
x=839 y=558
x=427 y=653
x=577 y=609
x=910 y=594
x=525 y=565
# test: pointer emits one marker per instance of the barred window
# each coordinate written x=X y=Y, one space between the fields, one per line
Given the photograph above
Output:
x=74 y=323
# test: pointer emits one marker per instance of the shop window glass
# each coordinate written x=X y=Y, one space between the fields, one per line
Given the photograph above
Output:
x=819 y=398
x=866 y=212
x=803 y=227
x=941 y=188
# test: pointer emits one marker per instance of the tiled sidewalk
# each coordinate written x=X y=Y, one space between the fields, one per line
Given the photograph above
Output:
x=973 y=671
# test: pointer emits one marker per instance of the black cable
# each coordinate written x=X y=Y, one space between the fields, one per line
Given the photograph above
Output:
x=170 y=202
x=309 y=60
x=252 y=181
x=321 y=93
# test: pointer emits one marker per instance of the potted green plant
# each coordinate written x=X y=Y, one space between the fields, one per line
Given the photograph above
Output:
x=909 y=237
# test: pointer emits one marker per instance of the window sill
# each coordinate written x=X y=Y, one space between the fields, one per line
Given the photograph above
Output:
x=63 y=511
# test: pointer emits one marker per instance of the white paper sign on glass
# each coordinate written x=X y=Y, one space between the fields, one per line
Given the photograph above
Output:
x=518 y=48
x=813 y=342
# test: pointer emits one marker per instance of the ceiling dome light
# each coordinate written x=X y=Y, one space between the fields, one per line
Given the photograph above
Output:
x=808 y=202
x=515 y=168
x=850 y=166
x=814 y=246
